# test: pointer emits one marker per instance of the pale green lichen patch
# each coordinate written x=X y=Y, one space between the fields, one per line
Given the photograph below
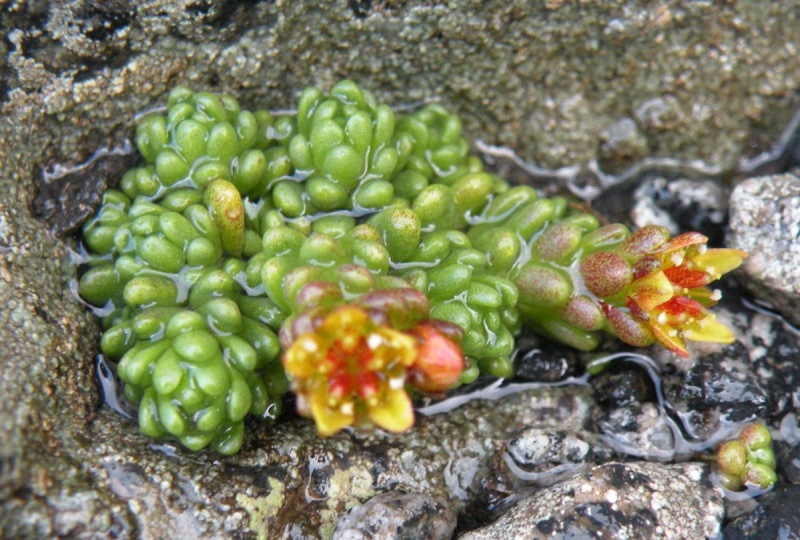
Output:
x=263 y=510
x=347 y=488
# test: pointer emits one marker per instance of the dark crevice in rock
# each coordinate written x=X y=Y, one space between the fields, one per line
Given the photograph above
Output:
x=214 y=80
x=64 y=200
x=623 y=383
x=35 y=17
x=620 y=476
x=90 y=68
x=33 y=43
x=198 y=8
x=44 y=315
x=4 y=88
x=101 y=20
x=230 y=12
x=360 y=8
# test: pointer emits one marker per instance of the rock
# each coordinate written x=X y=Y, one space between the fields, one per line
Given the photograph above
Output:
x=639 y=430
x=493 y=490
x=534 y=457
x=772 y=517
x=598 y=99
x=66 y=197
x=545 y=456
x=788 y=458
x=678 y=203
x=397 y=515
x=550 y=363
x=622 y=384
x=74 y=74
x=619 y=501
x=719 y=390
x=771 y=346
x=622 y=143
x=700 y=401
x=761 y=365
x=682 y=205
x=765 y=222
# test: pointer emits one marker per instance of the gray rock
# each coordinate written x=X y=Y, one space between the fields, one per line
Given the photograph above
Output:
x=772 y=517
x=719 y=390
x=622 y=384
x=545 y=456
x=640 y=430
x=765 y=222
x=550 y=79
x=550 y=363
x=764 y=356
x=669 y=199
x=618 y=501
x=702 y=400
x=400 y=516
x=534 y=457
x=789 y=458
x=560 y=83
x=623 y=142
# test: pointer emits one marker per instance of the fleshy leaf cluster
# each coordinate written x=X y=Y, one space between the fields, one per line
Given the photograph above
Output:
x=355 y=255
x=747 y=460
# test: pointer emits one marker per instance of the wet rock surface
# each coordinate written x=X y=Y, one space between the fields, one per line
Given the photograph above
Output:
x=288 y=480
x=65 y=199
x=693 y=405
x=622 y=384
x=772 y=518
x=640 y=430
x=532 y=458
x=72 y=77
x=406 y=516
x=719 y=389
x=534 y=452
x=616 y=500
x=546 y=363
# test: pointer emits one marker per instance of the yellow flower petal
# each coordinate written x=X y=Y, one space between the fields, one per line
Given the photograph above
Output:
x=298 y=360
x=329 y=420
x=709 y=329
x=404 y=347
x=651 y=290
x=671 y=339
x=704 y=296
x=719 y=261
x=394 y=412
x=346 y=318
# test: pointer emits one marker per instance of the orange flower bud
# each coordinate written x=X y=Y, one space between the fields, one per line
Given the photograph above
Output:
x=439 y=362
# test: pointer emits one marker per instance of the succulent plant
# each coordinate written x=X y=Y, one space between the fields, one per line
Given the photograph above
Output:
x=378 y=249
x=197 y=369
x=203 y=137
x=344 y=152
x=643 y=287
x=747 y=460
